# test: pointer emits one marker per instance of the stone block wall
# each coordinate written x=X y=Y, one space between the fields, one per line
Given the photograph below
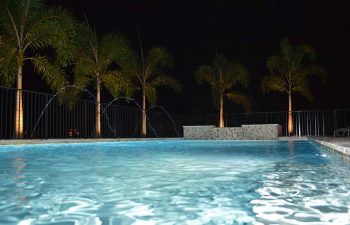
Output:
x=198 y=132
x=228 y=133
x=261 y=132
x=246 y=132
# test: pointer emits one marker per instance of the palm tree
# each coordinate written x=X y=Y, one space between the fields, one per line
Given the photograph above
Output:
x=223 y=77
x=289 y=73
x=97 y=62
x=148 y=74
x=29 y=26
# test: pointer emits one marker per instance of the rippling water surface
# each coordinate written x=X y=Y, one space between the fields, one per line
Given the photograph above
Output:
x=174 y=182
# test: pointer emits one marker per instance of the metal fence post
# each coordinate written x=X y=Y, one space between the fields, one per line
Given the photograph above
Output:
x=46 y=118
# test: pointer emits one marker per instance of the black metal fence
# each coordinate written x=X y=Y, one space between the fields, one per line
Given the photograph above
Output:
x=45 y=117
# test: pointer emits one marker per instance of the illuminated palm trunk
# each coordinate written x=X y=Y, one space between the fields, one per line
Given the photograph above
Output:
x=19 y=106
x=222 y=123
x=144 y=117
x=290 y=116
x=98 y=109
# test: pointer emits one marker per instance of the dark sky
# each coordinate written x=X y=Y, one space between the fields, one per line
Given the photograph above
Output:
x=245 y=31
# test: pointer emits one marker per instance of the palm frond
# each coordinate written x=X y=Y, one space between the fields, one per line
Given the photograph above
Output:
x=156 y=61
x=286 y=48
x=273 y=82
x=205 y=74
x=8 y=63
x=277 y=64
x=303 y=52
x=234 y=74
x=117 y=84
x=84 y=71
x=9 y=21
x=114 y=48
x=56 y=28
x=219 y=63
x=167 y=81
x=132 y=66
x=302 y=87
x=315 y=70
x=31 y=10
x=85 y=39
x=300 y=82
x=50 y=72
x=240 y=99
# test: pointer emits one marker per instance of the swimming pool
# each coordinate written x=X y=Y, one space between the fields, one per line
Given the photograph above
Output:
x=174 y=182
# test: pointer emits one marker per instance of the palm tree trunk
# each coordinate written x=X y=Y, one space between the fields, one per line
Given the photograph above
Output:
x=144 y=117
x=98 y=109
x=290 y=116
x=222 y=123
x=19 y=106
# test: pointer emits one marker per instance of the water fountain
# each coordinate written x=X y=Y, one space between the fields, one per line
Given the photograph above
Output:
x=169 y=116
x=55 y=95
x=138 y=106
x=104 y=111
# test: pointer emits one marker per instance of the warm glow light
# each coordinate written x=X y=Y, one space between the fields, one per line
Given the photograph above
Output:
x=290 y=115
x=19 y=115
x=222 y=123
x=144 y=116
x=290 y=123
x=98 y=109
x=98 y=120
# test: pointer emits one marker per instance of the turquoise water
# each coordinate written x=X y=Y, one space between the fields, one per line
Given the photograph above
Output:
x=174 y=182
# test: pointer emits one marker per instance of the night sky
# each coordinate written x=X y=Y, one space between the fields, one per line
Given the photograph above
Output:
x=245 y=31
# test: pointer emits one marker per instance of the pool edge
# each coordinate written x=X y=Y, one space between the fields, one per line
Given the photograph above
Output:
x=6 y=142
x=337 y=144
x=76 y=140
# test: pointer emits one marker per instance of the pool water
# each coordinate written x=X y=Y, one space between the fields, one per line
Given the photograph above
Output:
x=174 y=182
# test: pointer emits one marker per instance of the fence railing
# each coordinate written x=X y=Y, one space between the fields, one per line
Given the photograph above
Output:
x=57 y=120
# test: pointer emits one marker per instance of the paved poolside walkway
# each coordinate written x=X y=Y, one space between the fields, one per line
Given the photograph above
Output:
x=75 y=140
x=339 y=144
x=87 y=140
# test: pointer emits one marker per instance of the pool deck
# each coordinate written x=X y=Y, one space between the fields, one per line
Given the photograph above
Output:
x=76 y=140
x=339 y=144
x=89 y=140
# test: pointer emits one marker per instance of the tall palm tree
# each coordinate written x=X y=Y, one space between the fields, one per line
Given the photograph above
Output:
x=29 y=26
x=97 y=62
x=289 y=73
x=223 y=77
x=148 y=73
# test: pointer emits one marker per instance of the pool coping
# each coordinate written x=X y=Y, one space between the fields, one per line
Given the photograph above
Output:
x=91 y=140
x=76 y=140
x=341 y=145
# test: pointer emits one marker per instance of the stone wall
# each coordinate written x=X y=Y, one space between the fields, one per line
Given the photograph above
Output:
x=262 y=132
x=246 y=132
x=198 y=132
x=228 y=133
